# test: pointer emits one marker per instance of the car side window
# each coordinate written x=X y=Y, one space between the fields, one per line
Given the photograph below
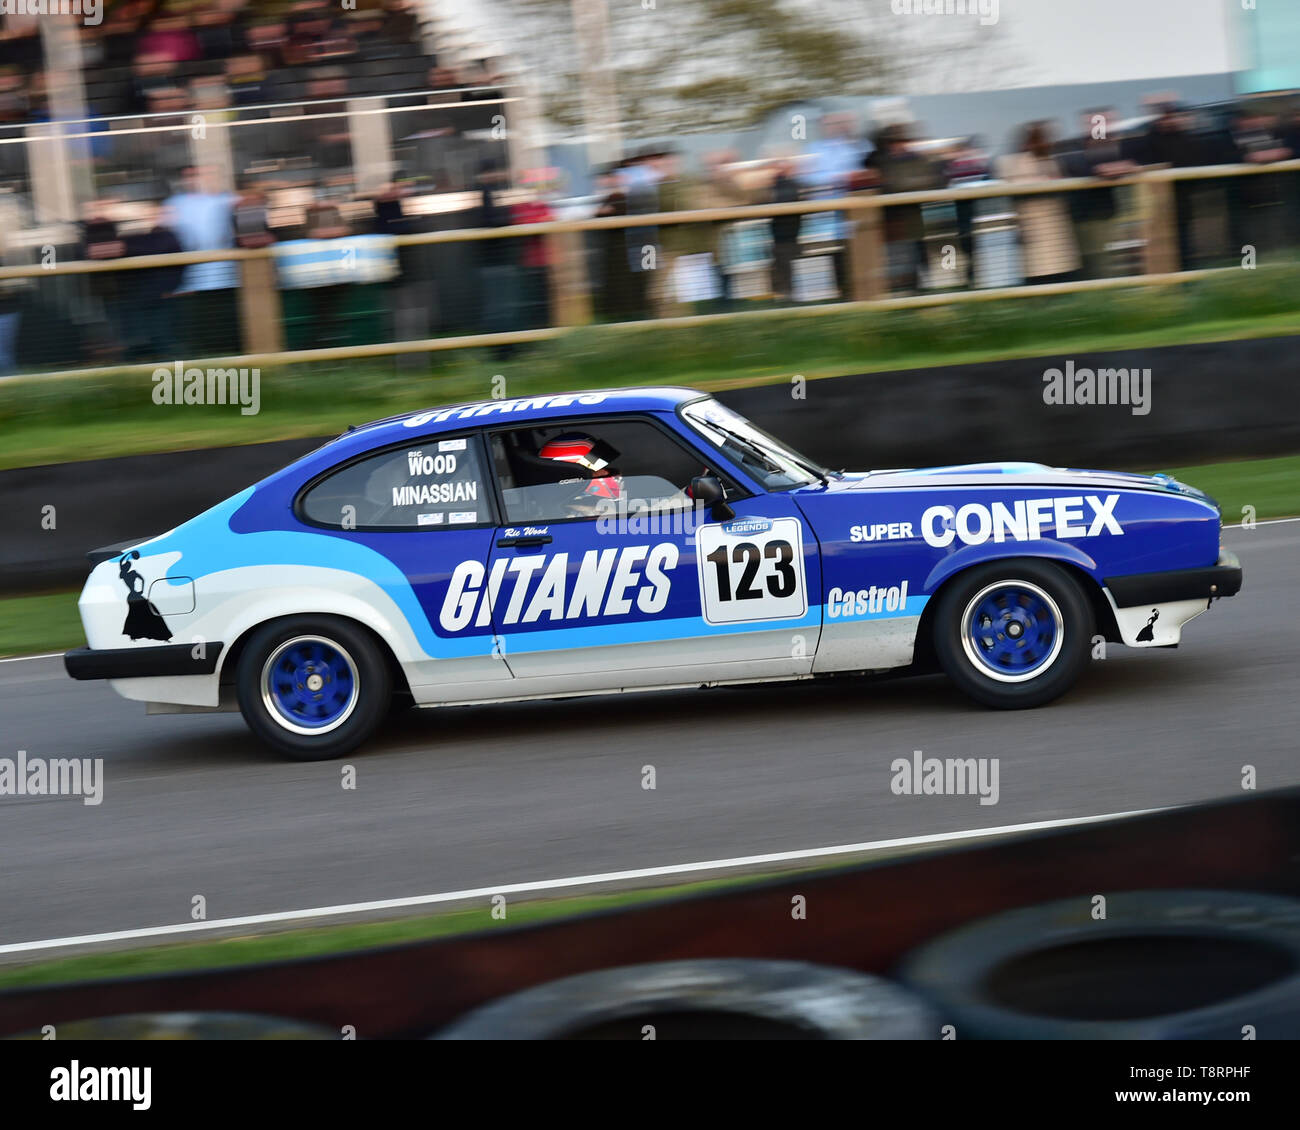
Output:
x=434 y=484
x=592 y=469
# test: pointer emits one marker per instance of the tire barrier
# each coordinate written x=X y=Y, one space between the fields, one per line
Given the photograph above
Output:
x=1163 y=965
x=711 y=999
x=102 y=502
x=182 y=1026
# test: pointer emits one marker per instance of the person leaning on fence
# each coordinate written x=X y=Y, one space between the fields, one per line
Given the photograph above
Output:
x=967 y=163
x=621 y=293
x=721 y=188
x=1098 y=152
x=638 y=180
x=831 y=167
x=1048 y=250
x=534 y=253
x=902 y=169
x=1257 y=208
x=328 y=304
x=785 y=229
x=149 y=324
x=412 y=296
x=202 y=217
x=685 y=275
x=100 y=240
x=1290 y=133
x=11 y=290
x=1172 y=140
x=498 y=258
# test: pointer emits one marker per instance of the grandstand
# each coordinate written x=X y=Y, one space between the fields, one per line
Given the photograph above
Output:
x=276 y=95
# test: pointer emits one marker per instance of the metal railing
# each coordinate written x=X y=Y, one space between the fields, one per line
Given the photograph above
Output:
x=431 y=137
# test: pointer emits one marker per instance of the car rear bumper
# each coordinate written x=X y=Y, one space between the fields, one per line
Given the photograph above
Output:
x=1208 y=583
x=142 y=662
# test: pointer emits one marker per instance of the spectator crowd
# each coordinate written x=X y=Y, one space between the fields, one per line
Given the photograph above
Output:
x=156 y=56
x=1058 y=237
x=219 y=55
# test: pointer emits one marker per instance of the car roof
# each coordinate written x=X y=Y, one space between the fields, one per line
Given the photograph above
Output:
x=523 y=410
x=414 y=427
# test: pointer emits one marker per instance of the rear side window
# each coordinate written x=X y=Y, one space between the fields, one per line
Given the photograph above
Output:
x=432 y=485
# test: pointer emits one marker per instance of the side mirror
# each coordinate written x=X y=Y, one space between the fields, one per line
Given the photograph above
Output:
x=707 y=490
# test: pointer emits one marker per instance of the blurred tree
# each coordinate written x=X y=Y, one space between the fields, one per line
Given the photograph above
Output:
x=682 y=65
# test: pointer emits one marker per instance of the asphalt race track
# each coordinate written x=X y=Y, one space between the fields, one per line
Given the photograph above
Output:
x=476 y=796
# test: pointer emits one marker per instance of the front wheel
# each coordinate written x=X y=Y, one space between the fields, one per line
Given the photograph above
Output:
x=312 y=687
x=1013 y=634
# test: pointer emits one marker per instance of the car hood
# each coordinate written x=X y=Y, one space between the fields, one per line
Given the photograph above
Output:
x=1007 y=475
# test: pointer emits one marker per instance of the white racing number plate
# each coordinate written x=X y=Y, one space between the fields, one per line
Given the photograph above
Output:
x=751 y=569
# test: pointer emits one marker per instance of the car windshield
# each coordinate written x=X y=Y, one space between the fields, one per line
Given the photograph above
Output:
x=768 y=460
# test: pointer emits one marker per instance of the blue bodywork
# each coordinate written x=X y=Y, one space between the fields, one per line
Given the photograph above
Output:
x=905 y=531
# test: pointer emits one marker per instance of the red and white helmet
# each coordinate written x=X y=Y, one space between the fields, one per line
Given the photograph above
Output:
x=593 y=457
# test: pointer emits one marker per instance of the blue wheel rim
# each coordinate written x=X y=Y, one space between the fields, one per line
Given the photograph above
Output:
x=1012 y=630
x=310 y=685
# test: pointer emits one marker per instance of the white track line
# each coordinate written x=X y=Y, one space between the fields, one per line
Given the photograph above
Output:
x=1265 y=522
x=554 y=884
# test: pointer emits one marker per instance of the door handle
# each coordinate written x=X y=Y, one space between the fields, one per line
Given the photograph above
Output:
x=524 y=540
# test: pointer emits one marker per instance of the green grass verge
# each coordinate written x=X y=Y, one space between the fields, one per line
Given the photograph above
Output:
x=30 y=625
x=1270 y=487
x=316 y=941
x=49 y=622
x=49 y=420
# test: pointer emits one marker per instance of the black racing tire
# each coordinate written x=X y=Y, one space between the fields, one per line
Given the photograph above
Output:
x=712 y=999
x=1162 y=965
x=351 y=684
x=400 y=703
x=1039 y=600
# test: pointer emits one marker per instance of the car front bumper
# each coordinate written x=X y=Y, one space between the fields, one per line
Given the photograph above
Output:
x=1208 y=583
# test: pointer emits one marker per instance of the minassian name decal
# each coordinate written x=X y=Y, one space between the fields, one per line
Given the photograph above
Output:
x=1026 y=520
x=536 y=587
x=424 y=494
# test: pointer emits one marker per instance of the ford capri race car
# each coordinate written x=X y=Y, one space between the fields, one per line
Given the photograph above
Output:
x=624 y=540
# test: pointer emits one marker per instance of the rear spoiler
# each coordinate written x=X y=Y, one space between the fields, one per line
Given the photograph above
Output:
x=107 y=552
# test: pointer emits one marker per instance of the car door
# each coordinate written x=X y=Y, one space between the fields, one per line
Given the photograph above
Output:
x=426 y=508
x=604 y=574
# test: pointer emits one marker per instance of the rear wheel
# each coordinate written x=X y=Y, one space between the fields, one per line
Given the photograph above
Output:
x=1013 y=634
x=312 y=687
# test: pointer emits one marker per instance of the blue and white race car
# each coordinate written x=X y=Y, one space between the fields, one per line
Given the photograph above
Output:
x=629 y=540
